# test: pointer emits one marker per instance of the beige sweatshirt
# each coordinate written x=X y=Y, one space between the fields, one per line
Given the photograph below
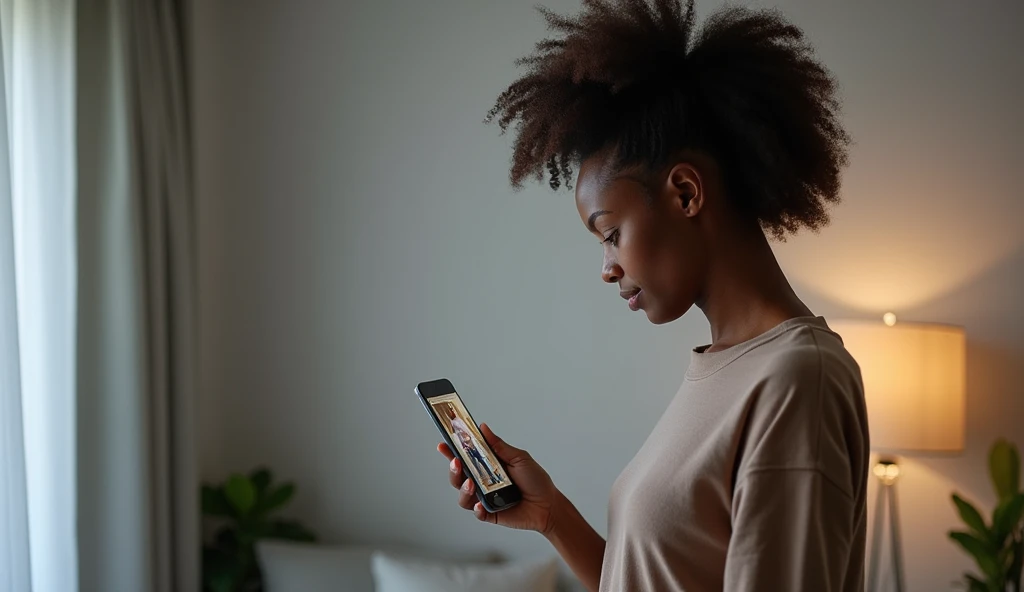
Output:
x=755 y=476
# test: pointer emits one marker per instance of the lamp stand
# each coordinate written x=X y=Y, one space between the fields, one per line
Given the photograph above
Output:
x=888 y=472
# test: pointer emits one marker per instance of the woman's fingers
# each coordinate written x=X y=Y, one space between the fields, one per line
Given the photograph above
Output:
x=483 y=515
x=506 y=452
x=467 y=491
x=455 y=476
x=497 y=444
x=467 y=495
x=466 y=487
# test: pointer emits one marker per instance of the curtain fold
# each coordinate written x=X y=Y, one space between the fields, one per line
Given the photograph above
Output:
x=37 y=294
x=15 y=566
x=139 y=521
x=98 y=471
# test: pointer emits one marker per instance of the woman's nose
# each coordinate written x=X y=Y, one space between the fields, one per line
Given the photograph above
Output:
x=610 y=271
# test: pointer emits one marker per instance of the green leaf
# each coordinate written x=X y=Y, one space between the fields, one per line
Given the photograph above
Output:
x=971 y=517
x=1004 y=558
x=982 y=552
x=1004 y=466
x=291 y=530
x=975 y=585
x=214 y=503
x=1007 y=517
x=276 y=499
x=240 y=493
x=261 y=479
x=1015 y=566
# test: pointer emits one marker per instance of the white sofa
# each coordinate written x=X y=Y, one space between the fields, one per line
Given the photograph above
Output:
x=297 y=567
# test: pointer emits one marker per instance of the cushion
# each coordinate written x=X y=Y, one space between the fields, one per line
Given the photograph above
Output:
x=303 y=567
x=396 y=574
x=291 y=567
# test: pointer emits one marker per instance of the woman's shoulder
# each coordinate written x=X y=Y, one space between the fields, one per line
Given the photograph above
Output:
x=810 y=355
x=809 y=407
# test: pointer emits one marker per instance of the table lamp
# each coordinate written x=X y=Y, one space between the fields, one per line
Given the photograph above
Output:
x=914 y=383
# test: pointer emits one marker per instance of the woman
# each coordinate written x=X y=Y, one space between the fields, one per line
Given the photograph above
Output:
x=471 y=446
x=692 y=145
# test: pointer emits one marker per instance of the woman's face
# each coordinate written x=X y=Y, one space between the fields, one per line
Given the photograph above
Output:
x=649 y=232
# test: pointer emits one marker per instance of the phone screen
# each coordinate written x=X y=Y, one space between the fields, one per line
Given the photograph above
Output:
x=469 y=442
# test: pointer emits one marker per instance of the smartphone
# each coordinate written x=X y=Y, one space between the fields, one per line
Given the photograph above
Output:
x=494 y=488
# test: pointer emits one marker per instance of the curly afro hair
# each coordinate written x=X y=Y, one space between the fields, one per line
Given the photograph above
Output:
x=638 y=78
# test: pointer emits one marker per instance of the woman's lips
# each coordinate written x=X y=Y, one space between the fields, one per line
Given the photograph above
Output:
x=633 y=298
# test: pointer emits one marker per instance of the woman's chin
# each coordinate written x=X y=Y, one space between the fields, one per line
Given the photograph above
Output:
x=654 y=316
x=657 y=316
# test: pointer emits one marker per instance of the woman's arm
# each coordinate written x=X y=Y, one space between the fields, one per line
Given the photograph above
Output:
x=577 y=542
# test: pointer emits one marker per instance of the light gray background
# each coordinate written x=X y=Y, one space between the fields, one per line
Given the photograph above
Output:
x=358 y=235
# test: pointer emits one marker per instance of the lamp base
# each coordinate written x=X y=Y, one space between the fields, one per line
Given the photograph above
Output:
x=888 y=473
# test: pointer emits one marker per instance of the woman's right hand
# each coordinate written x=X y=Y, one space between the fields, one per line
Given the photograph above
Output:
x=536 y=510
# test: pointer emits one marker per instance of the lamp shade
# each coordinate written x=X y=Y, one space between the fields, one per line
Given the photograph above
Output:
x=914 y=383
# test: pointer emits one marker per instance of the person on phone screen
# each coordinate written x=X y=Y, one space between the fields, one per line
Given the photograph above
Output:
x=688 y=146
x=465 y=437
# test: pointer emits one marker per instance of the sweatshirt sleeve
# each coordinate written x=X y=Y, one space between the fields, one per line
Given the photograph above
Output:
x=792 y=530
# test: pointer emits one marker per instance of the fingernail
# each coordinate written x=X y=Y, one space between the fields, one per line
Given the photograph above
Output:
x=451 y=465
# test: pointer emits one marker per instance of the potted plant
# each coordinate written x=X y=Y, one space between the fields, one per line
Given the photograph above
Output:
x=997 y=546
x=238 y=513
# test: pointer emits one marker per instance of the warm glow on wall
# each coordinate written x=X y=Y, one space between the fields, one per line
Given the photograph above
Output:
x=914 y=383
x=900 y=240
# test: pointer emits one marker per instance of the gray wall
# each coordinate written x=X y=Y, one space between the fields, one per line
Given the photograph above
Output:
x=358 y=236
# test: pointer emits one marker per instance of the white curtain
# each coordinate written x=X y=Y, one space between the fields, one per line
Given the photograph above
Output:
x=97 y=464
x=15 y=568
x=37 y=296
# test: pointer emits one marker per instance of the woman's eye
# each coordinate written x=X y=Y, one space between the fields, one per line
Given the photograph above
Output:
x=613 y=238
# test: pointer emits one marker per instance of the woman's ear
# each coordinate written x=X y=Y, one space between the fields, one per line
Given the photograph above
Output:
x=687 y=189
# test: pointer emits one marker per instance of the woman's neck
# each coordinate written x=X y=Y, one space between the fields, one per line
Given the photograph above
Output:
x=746 y=293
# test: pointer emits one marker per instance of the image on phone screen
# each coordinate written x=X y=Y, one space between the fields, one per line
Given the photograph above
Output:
x=469 y=442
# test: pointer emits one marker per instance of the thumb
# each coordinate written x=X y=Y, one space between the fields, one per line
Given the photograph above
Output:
x=506 y=452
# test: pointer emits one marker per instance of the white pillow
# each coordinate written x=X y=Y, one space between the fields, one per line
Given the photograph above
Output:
x=295 y=567
x=303 y=567
x=393 y=574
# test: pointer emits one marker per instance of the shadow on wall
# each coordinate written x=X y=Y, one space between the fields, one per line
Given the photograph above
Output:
x=989 y=304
